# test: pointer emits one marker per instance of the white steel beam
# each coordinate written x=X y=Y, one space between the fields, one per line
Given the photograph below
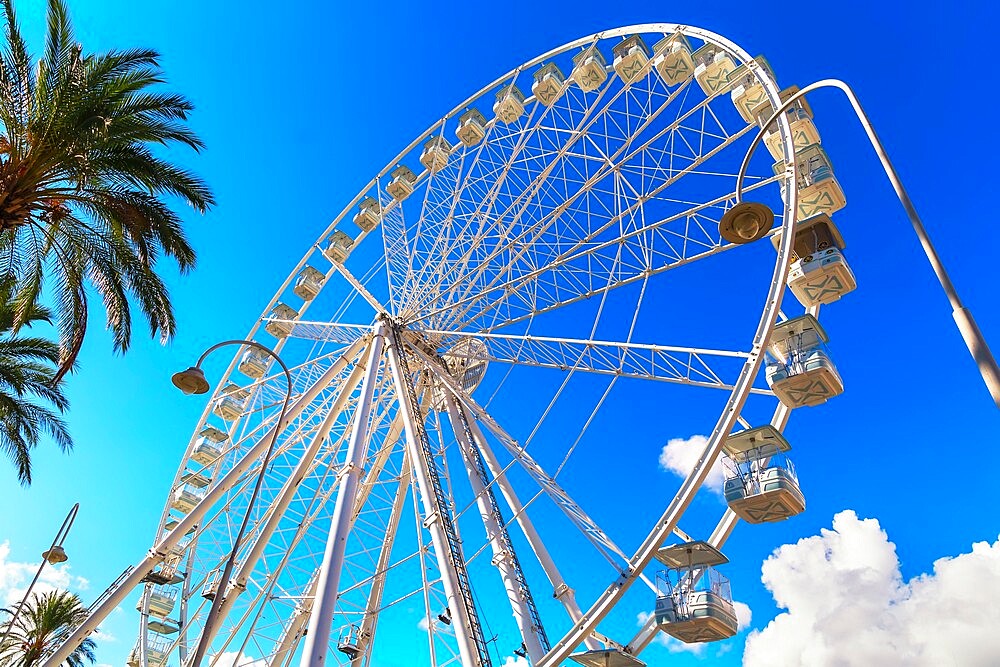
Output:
x=504 y=557
x=560 y=589
x=324 y=604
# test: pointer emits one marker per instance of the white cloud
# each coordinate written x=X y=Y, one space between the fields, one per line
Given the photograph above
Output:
x=15 y=578
x=680 y=455
x=229 y=659
x=743 y=615
x=848 y=605
x=512 y=661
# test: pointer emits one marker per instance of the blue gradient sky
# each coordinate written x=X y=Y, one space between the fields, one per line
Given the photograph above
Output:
x=301 y=104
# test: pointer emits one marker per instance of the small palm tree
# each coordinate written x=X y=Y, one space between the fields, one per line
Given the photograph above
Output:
x=83 y=195
x=40 y=627
x=28 y=367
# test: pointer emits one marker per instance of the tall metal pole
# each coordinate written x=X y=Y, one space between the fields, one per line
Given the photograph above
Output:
x=48 y=556
x=325 y=602
x=967 y=326
x=213 y=613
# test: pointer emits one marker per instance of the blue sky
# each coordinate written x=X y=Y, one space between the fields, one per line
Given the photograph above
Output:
x=301 y=105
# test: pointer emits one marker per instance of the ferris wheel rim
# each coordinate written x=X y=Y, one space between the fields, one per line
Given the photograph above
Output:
x=788 y=219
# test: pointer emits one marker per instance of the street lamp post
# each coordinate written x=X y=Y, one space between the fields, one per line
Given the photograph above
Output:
x=746 y=218
x=192 y=381
x=54 y=554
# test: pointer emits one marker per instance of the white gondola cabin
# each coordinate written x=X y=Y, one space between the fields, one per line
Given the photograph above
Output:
x=712 y=66
x=747 y=91
x=631 y=56
x=606 y=657
x=509 y=104
x=401 y=182
x=231 y=402
x=435 y=154
x=308 y=283
x=254 y=363
x=798 y=368
x=672 y=59
x=471 y=127
x=819 y=273
x=369 y=214
x=185 y=497
x=280 y=319
x=548 y=85
x=799 y=115
x=761 y=484
x=694 y=603
x=157 y=649
x=819 y=191
x=589 y=69
x=338 y=247
x=208 y=447
x=161 y=601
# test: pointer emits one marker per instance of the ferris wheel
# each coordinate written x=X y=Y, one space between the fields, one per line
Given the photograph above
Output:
x=487 y=349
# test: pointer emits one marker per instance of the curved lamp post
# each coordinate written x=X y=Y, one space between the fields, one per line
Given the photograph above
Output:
x=745 y=220
x=55 y=554
x=192 y=381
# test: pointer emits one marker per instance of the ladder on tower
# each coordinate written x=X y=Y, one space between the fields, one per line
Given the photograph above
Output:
x=441 y=506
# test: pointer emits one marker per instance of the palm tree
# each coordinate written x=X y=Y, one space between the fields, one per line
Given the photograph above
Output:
x=28 y=367
x=40 y=627
x=84 y=198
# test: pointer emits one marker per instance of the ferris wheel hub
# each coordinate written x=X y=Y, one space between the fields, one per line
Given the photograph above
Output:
x=746 y=222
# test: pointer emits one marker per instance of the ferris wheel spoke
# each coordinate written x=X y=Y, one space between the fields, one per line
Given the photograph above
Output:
x=585 y=198
x=487 y=186
x=679 y=234
x=596 y=124
x=575 y=173
x=682 y=365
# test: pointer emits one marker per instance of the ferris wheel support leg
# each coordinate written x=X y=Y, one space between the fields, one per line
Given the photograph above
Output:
x=193 y=518
x=437 y=518
x=278 y=506
x=561 y=590
x=504 y=557
x=325 y=602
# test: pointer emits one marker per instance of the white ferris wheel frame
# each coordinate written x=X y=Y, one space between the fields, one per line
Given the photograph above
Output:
x=388 y=333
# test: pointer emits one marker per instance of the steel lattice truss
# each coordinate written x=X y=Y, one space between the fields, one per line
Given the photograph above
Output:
x=450 y=370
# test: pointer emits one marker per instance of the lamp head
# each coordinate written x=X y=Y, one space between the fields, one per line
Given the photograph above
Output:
x=191 y=381
x=55 y=555
x=746 y=222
